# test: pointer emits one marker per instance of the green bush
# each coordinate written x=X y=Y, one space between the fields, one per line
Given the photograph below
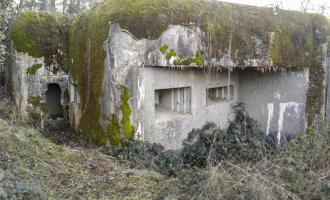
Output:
x=243 y=140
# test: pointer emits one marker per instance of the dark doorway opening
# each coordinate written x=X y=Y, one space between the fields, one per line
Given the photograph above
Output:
x=53 y=101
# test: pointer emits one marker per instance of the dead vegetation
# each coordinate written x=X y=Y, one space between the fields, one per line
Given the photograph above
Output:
x=47 y=170
x=299 y=169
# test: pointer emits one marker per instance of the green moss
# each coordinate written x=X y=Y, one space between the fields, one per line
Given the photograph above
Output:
x=97 y=136
x=170 y=54
x=86 y=61
x=41 y=35
x=164 y=49
x=186 y=61
x=225 y=24
x=183 y=60
x=114 y=131
x=282 y=49
x=126 y=115
x=310 y=43
x=315 y=92
x=177 y=62
x=199 y=60
x=33 y=69
x=35 y=101
x=114 y=128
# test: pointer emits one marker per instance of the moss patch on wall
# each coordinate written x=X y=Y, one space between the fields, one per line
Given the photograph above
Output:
x=41 y=35
x=297 y=39
x=117 y=133
x=315 y=94
x=33 y=69
x=182 y=60
x=126 y=115
x=97 y=135
x=114 y=131
x=86 y=61
x=163 y=49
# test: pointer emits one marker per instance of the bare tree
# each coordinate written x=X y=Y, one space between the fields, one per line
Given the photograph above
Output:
x=304 y=5
x=279 y=4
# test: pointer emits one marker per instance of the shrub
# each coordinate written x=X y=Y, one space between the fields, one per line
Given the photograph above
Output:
x=243 y=140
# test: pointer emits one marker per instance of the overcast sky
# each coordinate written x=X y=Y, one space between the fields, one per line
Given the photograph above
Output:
x=314 y=5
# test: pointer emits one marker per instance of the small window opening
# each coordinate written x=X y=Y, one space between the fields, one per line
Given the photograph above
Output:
x=219 y=94
x=53 y=105
x=173 y=102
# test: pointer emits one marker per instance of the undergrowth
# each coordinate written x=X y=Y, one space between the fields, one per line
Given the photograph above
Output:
x=240 y=162
x=35 y=167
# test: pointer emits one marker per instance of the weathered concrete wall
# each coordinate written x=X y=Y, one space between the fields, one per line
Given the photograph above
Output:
x=74 y=102
x=172 y=130
x=276 y=99
x=23 y=86
x=124 y=66
x=125 y=59
x=26 y=86
x=125 y=54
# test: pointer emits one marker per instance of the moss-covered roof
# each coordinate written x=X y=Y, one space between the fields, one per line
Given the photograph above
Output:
x=228 y=27
x=41 y=34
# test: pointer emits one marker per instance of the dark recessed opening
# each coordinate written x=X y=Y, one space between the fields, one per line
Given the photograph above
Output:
x=171 y=103
x=53 y=101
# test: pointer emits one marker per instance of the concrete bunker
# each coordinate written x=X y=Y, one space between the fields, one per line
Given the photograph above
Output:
x=173 y=102
x=53 y=106
x=173 y=72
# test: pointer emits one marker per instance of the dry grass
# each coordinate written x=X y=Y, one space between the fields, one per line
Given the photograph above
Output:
x=74 y=172
x=301 y=171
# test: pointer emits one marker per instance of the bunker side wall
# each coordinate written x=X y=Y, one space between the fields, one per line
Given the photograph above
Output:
x=276 y=99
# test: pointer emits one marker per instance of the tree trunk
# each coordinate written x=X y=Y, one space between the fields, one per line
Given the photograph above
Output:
x=44 y=5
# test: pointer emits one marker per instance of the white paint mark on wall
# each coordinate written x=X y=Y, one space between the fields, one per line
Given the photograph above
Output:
x=140 y=96
x=139 y=134
x=283 y=107
x=270 y=107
